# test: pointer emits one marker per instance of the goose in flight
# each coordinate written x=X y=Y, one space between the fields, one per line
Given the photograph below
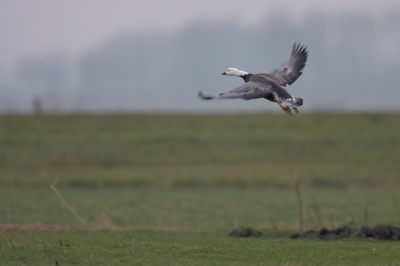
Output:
x=269 y=85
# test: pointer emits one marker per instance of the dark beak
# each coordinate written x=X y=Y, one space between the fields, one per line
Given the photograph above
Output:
x=224 y=73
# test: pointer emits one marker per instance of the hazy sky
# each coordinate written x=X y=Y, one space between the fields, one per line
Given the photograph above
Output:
x=102 y=55
x=34 y=27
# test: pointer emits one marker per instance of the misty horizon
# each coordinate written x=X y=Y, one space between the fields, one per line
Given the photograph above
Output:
x=353 y=65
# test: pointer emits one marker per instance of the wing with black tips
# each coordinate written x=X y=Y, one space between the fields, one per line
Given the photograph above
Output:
x=289 y=71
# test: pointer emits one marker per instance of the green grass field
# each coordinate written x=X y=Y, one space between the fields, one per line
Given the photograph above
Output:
x=273 y=211
x=156 y=189
x=161 y=248
x=155 y=226
x=327 y=150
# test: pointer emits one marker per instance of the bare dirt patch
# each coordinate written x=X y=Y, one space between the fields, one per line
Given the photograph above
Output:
x=36 y=228
x=246 y=232
x=379 y=231
x=54 y=228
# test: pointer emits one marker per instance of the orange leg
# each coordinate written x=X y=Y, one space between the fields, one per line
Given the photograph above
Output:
x=286 y=109
x=295 y=109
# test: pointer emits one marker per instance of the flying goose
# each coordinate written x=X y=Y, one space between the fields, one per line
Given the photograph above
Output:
x=269 y=85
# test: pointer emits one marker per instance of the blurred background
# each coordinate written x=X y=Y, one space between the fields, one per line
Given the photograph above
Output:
x=134 y=147
x=153 y=55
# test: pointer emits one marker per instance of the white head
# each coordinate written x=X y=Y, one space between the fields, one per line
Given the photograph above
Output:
x=234 y=72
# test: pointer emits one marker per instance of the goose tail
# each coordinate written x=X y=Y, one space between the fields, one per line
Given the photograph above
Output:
x=291 y=103
x=297 y=101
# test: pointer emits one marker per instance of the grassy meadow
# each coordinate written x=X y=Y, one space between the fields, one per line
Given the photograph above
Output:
x=167 y=189
x=262 y=150
x=166 y=248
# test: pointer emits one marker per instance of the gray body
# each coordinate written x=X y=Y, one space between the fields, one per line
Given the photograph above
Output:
x=268 y=85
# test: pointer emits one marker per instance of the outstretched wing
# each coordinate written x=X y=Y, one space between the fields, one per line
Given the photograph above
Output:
x=247 y=91
x=289 y=71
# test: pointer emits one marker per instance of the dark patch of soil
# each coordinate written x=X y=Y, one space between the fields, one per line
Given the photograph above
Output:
x=379 y=231
x=325 y=233
x=246 y=232
x=35 y=228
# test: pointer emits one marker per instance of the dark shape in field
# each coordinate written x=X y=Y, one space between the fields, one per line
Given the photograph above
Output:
x=379 y=231
x=269 y=85
x=246 y=232
x=325 y=233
